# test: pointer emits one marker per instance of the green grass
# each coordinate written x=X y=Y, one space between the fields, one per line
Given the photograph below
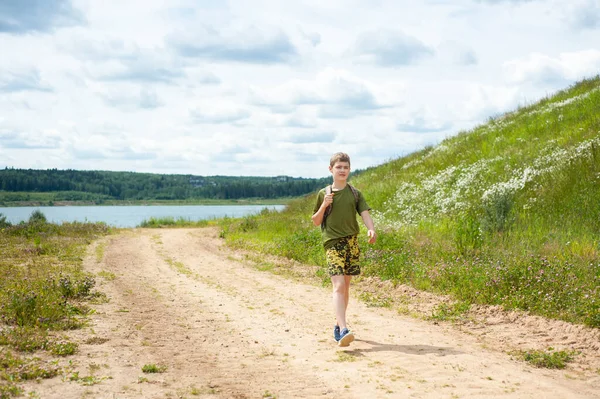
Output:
x=172 y=222
x=87 y=380
x=504 y=214
x=450 y=312
x=549 y=359
x=43 y=291
x=153 y=368
x=15 y=369
x=343 y=356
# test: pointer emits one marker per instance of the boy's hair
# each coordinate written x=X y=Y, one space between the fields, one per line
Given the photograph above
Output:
x=339 y=157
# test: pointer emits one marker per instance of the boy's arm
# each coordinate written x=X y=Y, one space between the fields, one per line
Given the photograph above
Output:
x=317 y=218
x=368 y=221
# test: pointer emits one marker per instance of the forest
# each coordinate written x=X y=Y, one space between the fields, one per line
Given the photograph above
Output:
x=76 y=185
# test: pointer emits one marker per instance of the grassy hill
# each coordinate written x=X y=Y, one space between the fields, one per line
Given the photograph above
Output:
x=507 y=213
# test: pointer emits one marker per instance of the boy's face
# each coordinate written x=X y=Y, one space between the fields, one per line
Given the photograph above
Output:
x=340 y=170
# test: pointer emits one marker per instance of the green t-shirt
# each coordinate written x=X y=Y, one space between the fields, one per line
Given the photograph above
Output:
x=341 y=222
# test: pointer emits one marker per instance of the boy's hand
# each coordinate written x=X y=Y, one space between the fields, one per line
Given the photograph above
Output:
x=327 y=200
x=372 y=236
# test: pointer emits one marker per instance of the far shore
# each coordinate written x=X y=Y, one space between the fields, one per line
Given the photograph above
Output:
x=279 y=201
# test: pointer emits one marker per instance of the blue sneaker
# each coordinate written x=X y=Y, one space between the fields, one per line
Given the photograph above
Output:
x=336 y=333
x=346 y=336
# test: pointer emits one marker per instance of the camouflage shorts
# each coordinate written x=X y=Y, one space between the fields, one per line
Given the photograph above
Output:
x=343 y=257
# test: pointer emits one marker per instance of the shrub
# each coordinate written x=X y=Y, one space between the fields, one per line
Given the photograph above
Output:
x=37 y=216
x=3 y=222
x=468 y=234
x=496 y=212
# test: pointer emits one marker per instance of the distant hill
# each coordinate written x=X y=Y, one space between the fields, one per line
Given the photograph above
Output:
x=104 y=185
x=507 y=213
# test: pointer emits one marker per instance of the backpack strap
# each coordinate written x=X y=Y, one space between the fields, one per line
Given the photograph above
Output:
x=328 y=190
x=355 y=193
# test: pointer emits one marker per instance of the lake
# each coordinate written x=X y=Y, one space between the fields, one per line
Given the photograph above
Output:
x=132 y=216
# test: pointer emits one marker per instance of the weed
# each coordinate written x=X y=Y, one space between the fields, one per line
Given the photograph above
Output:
x=88 y=380
x=10 y=390
x=24 y=339
x=374 y=300
x=450 y=312
x=16 y=369
x=108 y=276
x=248 y=223
x=550 y=358
x=343 y=356
x=178 y=266
x=94 y=367
x=64 y=348
x=153 y=368
x=4 y=223
x=266 y=352
x=100 y=249
x=172 y=222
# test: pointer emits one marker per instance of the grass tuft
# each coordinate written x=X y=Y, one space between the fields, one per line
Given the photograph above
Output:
x=172 y=222
x=153 y=368
x=549 y=359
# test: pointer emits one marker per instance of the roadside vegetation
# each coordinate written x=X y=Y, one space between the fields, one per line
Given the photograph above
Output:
x=172 y=222
x=43 y=293
x=550 y=359
x=505 y=214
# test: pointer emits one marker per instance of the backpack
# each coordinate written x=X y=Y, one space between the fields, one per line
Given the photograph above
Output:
x=328 y=190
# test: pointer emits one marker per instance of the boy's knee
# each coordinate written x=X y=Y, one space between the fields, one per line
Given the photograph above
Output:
x=339 y=286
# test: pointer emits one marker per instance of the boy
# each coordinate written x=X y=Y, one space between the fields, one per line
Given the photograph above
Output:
x=340 y=229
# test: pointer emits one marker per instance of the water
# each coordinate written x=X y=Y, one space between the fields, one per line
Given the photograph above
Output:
x=131 y=216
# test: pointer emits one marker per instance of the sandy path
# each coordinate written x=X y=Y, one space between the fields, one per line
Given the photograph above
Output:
x=224 y=329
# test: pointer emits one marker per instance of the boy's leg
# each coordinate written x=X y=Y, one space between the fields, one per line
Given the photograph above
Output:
x=347 y=291
x=340 y=302
x=346 y=336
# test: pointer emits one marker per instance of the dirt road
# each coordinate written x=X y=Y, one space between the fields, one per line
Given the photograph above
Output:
x=224 y=329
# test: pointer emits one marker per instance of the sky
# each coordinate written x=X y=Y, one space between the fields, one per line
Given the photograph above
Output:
x=267 y=88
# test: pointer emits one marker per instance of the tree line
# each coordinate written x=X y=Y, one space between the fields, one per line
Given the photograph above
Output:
x=149 y=186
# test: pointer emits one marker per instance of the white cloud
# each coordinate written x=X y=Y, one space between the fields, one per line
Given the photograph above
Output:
x=20 y=17
x=218 y=113
x=584 y=14
x=456 y=53
x=149 y=67
x=313 y=137
x=13 y=139
x=565 y=67
x=24 y=80
x=334 y=91
x=145 y=98
x=251 y=45
x=387 y=47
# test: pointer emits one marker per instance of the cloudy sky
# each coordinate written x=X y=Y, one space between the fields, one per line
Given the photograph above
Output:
x=267 y=87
